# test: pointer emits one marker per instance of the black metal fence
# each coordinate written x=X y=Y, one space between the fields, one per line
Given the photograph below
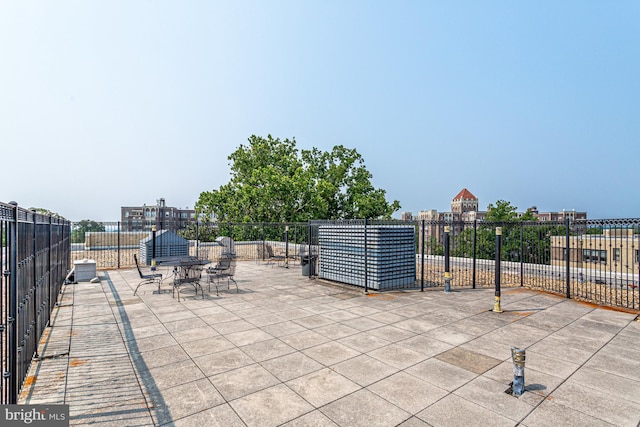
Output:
x=591 y=260
x=35 y=257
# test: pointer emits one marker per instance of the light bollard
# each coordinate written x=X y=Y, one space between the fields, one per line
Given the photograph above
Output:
x=286 y=246
x=447 y=273
x=153 y=248
x=518 y=356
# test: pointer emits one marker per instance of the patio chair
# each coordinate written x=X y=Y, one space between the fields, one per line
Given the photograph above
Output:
x=224 y=269
x=147 y=279
x=272 y=257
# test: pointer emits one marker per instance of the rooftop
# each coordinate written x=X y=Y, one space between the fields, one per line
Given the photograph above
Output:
x=287 y=350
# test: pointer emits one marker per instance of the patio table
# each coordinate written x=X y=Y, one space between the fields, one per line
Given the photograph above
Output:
x=186 y=270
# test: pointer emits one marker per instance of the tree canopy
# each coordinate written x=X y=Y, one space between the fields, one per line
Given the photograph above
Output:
x=272 y=181
x=81 y=228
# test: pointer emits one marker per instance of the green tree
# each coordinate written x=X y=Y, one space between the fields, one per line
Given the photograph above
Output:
x=79 y=229
x=502 y=211
x=43 y=211
x=271 y=181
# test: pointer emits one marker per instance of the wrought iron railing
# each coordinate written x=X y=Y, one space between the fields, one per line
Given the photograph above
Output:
x=592 y=260
x=35 y=258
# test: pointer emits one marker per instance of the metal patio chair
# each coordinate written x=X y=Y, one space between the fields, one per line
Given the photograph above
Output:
x=272 y=257
x=147 y=279
x=224 y=269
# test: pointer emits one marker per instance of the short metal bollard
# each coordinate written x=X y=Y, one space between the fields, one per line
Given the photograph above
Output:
x=518 y=356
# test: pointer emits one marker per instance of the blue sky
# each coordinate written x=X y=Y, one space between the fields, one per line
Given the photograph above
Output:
x=113 y=103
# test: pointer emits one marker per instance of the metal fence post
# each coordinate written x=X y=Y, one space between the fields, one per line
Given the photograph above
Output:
x=366 y=266
x=422 y=236
x=447 y=273
x=34 y=291
x=12 y=373
x=118 y=237
x=496 y=306
x=568 y=262
x=286 y=246
x=521 y=254
x=153 y=248
x=475 y=230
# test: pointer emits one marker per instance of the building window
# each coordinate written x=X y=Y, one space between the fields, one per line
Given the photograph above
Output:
x=616 y=254
x=594 y=255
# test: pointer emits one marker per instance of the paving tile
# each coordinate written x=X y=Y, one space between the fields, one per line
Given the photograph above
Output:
x=304 y=339
x=468 y=359
x=416 y=326
x=597 y=404
x=143 y=331
x=315 y=418
x=364 y=370
x=291 y=366
x=222 y=361
x=270 y=407
x=441 y=374
x=322 y=387
x=243 y=381
x=453 y=411
x=278 y=330
x=218 y=416
x=517 y=335
x=250 y=336
x=268 y=349
x=185 y=399
x=427 y=346
x=331 y=353
x=489 y=347
x=163 y=356
x=387 y=317
x=448 y=335
x=550 y=365
x=155 y=342
x=566 y=348
x=491 y=395
x=363 y=342
x=391 y=333
x=364 y=409
x=363 y=323
x=201 y=347
x=414 y=422
x=172 y=375
x=397 y=356
x=340 y=315
x=239 y=325
x=182 y=326
x=266 y=319
x=195 y=334
x=336 y=331
x=605 y=382
x=550 y=413
x=610 y=360
x=314 y=321
x=407 y=392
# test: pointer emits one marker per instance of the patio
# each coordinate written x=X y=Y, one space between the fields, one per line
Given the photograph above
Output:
x=287 y=350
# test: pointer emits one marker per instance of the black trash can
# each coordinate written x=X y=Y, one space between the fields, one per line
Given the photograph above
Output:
x=308 y=263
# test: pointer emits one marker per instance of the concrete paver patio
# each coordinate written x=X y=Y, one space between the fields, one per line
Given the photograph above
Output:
x=287 y=350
